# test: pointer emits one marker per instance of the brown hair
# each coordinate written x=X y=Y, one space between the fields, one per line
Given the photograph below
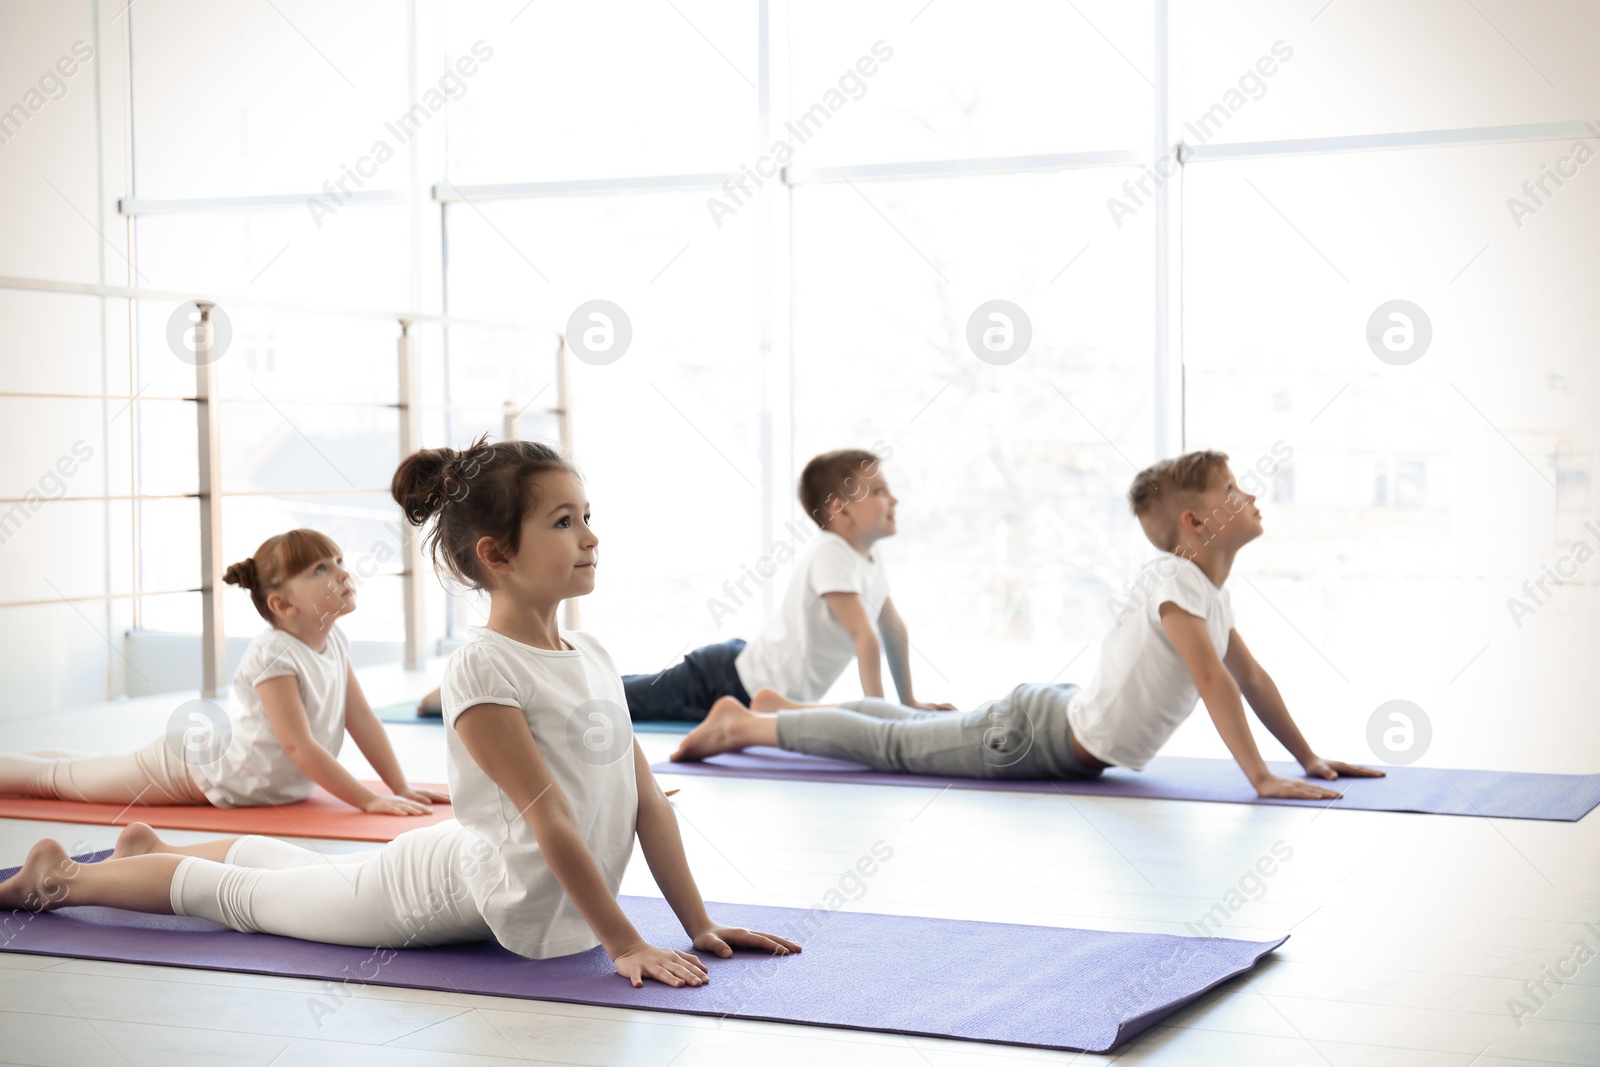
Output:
x=833 y=475
x=1162 y=490
x=280 y=557
x=482 y=492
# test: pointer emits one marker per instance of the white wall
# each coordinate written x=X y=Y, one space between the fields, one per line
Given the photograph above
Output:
x=59 y=179
x=226 y=101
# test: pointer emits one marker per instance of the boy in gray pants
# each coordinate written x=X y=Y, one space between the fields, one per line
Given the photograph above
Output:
x=1024 y=734
x=1173 y=644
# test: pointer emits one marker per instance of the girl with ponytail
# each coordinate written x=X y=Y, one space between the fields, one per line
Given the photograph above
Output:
x=551 y=789
x=294 y=696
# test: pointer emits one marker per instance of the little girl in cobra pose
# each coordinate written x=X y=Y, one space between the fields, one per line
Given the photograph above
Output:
x=296 y=695
x=550 y=786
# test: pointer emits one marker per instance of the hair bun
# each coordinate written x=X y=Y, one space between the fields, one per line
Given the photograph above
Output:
x=242 y=574
x=421 y=482
x=482 y=490
x=450 y=473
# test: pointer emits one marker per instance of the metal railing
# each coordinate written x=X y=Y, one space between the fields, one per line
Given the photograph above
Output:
x=209 y=493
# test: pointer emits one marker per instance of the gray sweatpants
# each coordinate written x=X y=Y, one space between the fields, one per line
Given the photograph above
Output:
x=1022 y=735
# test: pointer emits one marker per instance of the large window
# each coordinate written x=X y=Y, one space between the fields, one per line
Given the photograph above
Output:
x=1010 y=476
x=572 y=91
x=1368 y=67
x=1441 y=450
x=866 y=285
x=262 y=99
x=970 y=80
x=1419 y=495
x=666 y=434
x=801 y=210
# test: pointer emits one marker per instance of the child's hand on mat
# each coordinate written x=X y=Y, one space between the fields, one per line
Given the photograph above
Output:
x=424 y=796
x=926 y=706
x=396 y=806
x=1318 y=767
x=665 y=965
x=723 y=939
x=1273 y=786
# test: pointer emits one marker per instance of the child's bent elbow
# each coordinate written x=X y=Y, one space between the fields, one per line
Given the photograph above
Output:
x=298 y=752
x=1213 y=684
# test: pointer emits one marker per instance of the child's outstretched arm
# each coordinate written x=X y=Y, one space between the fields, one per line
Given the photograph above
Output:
x=851 y=611
x=897 y=646
x=1221 y=693
x=663 y=851
x=367 y=731
x=1265 y=700
x=280 y=699
x=499 y=741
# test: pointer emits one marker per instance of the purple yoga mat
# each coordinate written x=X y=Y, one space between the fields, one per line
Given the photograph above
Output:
x=1041 y=986
x=1433 y=790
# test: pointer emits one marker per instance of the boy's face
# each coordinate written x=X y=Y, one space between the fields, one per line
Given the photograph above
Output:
x=323 y=591
x=1229 y=514
x=870 y=506
x=1244 y=517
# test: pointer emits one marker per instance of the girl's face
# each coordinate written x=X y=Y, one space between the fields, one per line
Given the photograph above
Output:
x=323 y=591
x=559 y=552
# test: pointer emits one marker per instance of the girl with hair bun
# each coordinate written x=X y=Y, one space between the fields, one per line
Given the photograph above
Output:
x=551 y=788
x=295 y=695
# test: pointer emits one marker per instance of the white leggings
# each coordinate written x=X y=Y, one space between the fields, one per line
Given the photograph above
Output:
x=154 y=774
x=411 y=892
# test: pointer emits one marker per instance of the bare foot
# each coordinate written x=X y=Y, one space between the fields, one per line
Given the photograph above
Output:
x=770 y=700
x=715 y=734
x=137 y=840
x=38 y=886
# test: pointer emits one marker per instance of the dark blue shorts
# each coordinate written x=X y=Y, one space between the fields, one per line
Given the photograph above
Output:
x=685 y=691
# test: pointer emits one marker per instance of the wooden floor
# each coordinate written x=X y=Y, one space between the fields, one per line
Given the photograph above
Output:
x=1410 y=933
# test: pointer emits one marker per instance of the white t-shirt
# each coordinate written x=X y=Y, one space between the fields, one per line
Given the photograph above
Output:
x=255 y=771
x=803 y=648
x=1142 y=690
x=575 y=707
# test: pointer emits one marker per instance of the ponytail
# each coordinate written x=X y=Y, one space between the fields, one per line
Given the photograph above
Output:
x=242 y=574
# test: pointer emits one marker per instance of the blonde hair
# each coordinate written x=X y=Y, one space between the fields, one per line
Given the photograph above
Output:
x=1162 y=490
